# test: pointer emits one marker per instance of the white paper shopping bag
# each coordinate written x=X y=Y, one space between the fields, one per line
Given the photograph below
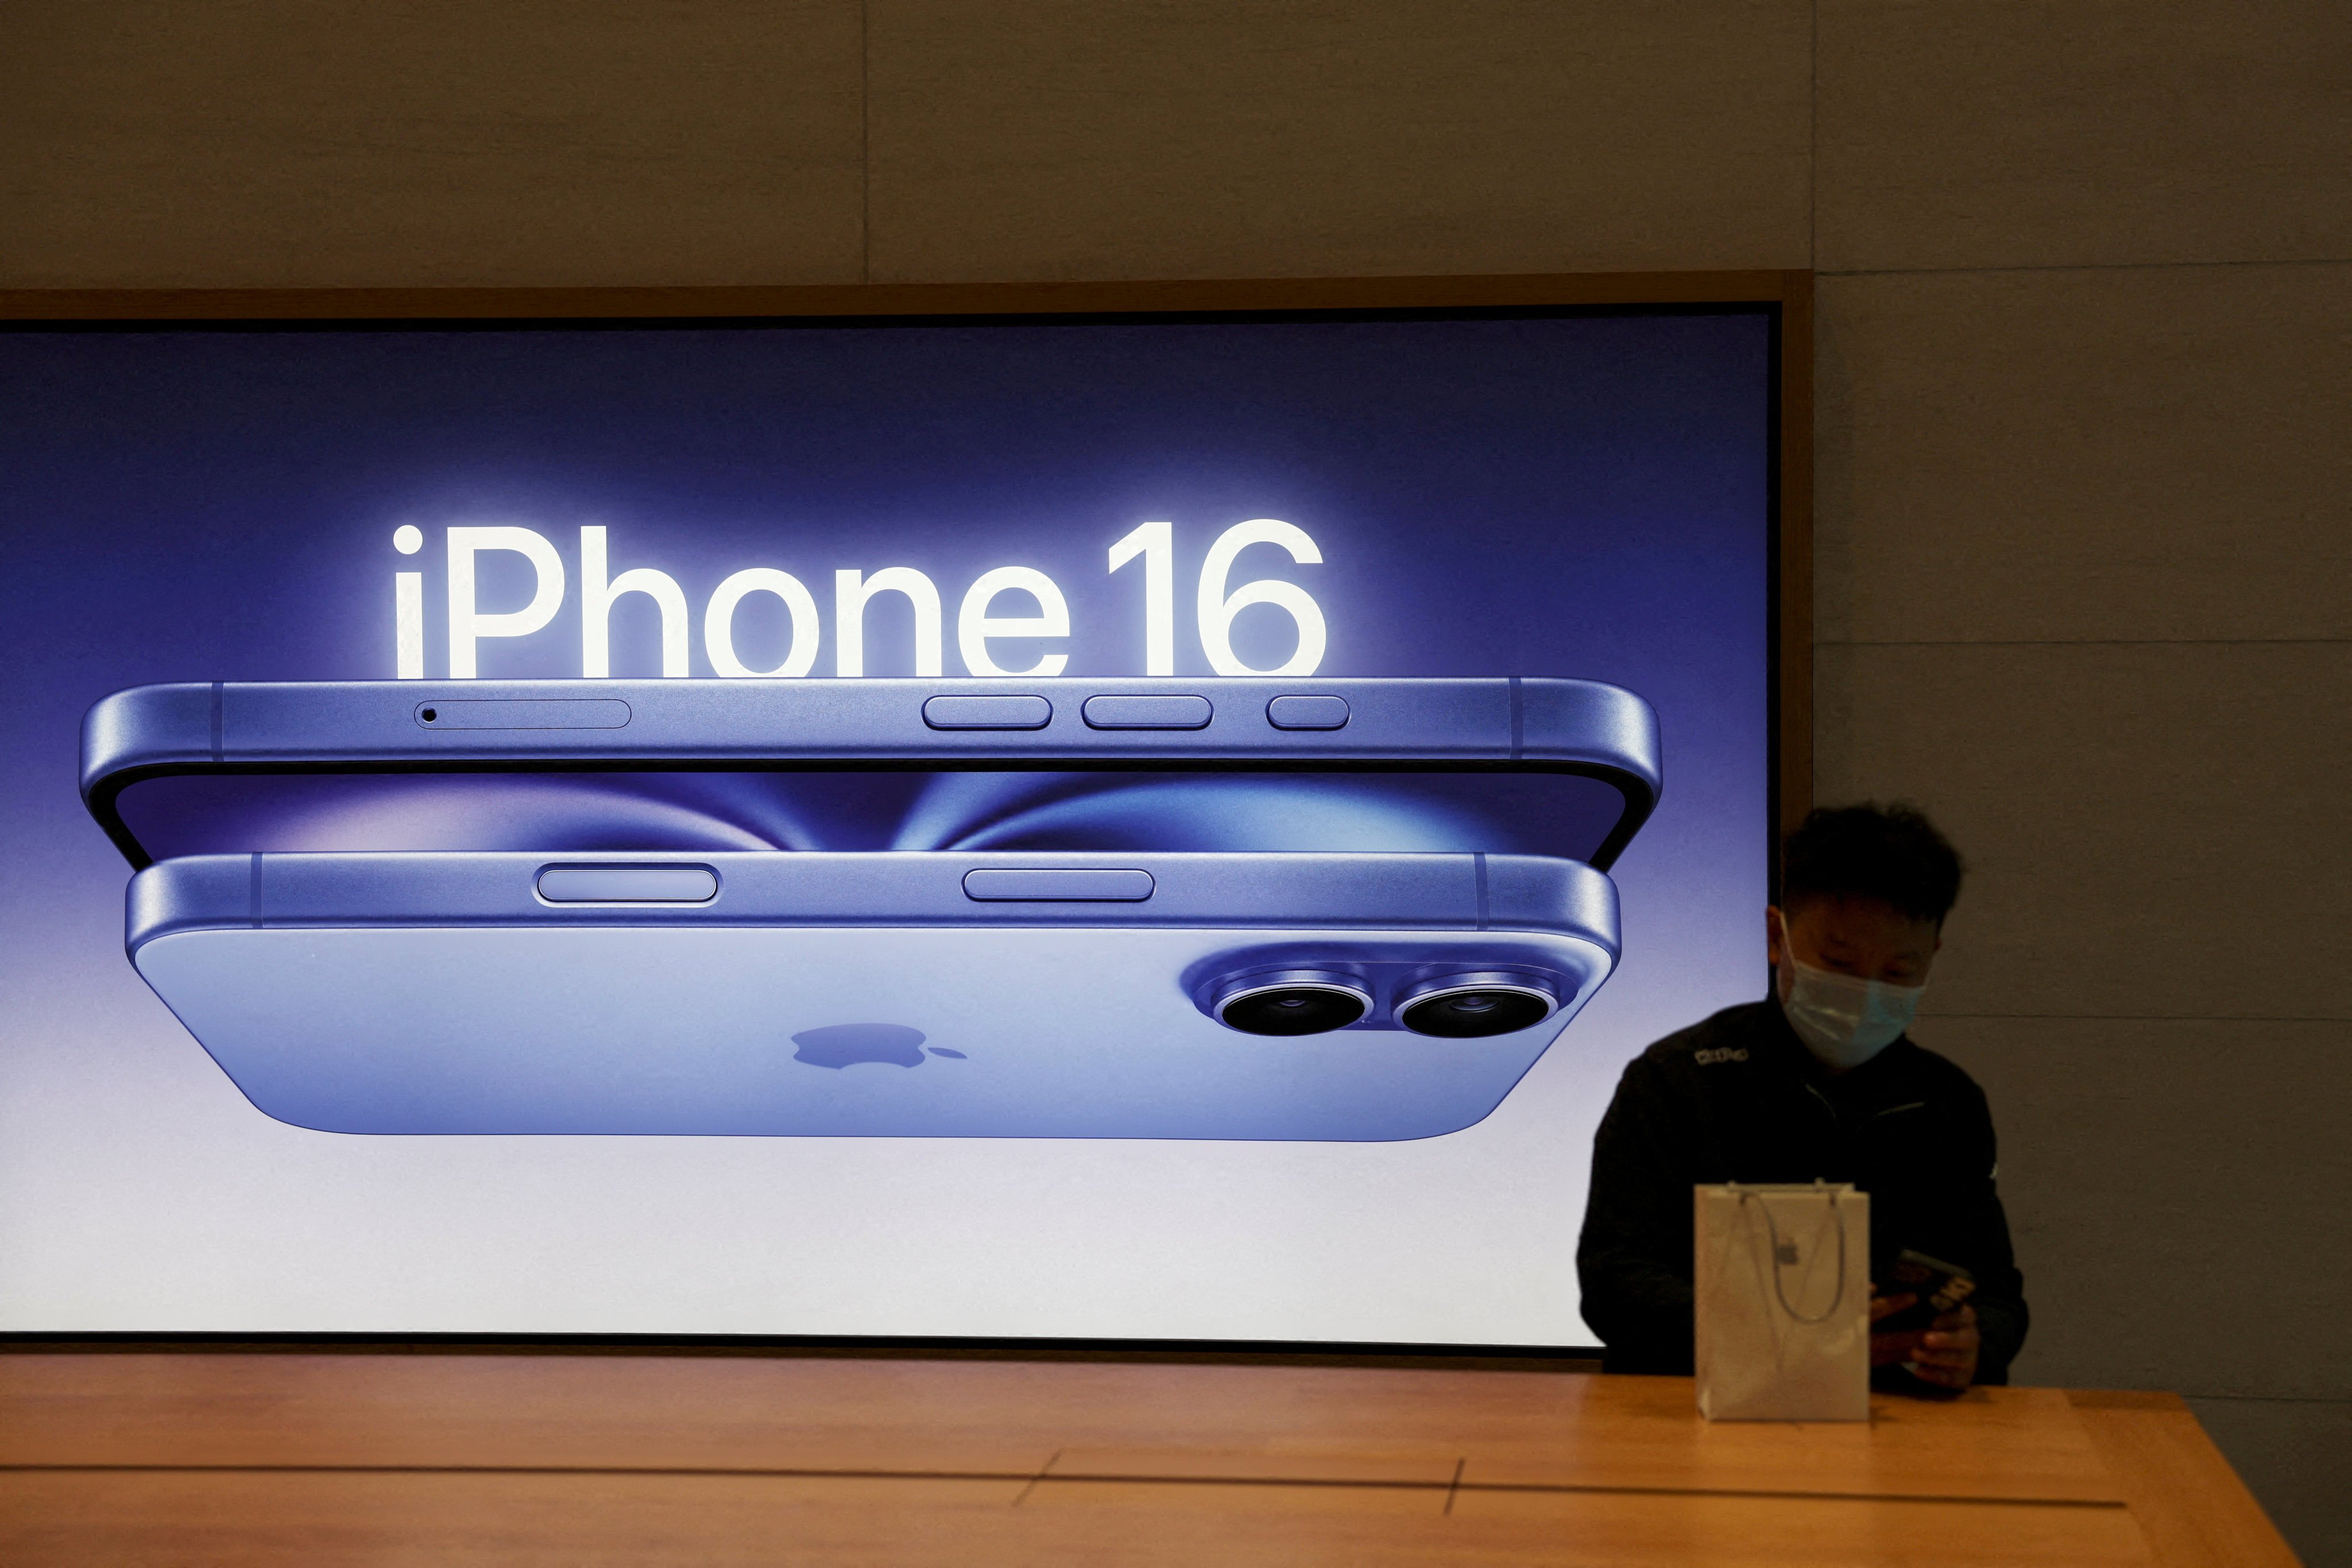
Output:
x=1783 y=1302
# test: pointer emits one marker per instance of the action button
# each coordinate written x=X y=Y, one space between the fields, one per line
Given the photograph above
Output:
x=1307 y=713
x=1138 y=711
x=989 y=712
x=1073 y=884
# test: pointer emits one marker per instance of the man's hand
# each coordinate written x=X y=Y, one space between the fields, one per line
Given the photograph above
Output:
x=1948 y=1351
x=1886 y=1349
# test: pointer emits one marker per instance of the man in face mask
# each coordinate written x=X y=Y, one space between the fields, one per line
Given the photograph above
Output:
x=1817 y=1080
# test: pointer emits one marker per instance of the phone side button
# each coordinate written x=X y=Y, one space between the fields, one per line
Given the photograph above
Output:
x=989 y=712
x=1059 y=884
x=1307 y=713
x=627 y=884
x=1136 y=710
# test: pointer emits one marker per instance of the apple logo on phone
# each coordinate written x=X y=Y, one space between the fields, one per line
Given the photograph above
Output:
x=847 y=1044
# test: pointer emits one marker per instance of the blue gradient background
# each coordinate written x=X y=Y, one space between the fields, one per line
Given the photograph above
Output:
x=1578 y=495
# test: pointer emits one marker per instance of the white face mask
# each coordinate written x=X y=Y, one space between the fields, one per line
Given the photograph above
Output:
x=1843 y=1019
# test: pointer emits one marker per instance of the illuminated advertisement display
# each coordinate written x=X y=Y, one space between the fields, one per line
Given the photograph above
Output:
x=1123 y=827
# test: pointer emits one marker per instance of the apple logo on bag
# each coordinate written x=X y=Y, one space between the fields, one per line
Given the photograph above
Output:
x=847 y=1044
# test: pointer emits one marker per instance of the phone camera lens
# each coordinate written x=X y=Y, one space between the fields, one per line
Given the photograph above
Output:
x=429 y=714
x=1297 y=1002
x=1469 y=1006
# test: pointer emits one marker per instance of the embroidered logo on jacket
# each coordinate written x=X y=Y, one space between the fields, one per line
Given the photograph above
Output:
x=1720 y=1054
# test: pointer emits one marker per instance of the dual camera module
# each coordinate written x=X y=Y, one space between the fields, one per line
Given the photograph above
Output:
x=1451 y=1006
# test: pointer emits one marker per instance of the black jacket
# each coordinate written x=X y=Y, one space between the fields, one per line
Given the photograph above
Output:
x=1739 y=1098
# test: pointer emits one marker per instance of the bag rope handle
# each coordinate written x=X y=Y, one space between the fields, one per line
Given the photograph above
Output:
x=1772 y=1230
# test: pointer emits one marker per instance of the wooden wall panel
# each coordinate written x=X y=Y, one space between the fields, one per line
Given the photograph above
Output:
x=2023 y=133
x=1063 y=139
x=263 y=144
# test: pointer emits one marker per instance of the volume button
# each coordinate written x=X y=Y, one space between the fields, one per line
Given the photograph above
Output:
x=1307 y=713
x=988 y=711
x=1138 y=710
x=1071 y=884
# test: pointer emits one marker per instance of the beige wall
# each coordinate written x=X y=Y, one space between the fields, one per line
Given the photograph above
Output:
x=2085 y=362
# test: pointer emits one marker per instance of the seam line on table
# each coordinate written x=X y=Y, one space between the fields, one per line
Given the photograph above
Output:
x=732 y=1471
x=1452 y=1487
x=1798 y=1496
x=1051 y=1460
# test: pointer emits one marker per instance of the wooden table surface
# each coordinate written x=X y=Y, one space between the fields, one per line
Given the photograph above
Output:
x=381 y=1457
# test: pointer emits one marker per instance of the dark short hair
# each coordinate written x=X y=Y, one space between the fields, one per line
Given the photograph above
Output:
x=1892 y=853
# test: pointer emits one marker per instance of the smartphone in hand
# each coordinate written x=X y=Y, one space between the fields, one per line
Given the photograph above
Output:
x=1939 y=1287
